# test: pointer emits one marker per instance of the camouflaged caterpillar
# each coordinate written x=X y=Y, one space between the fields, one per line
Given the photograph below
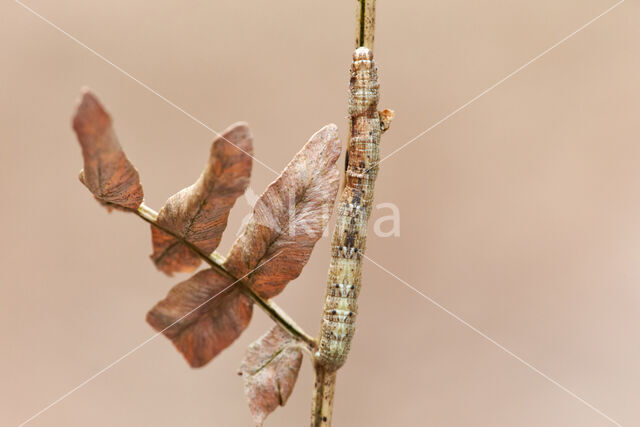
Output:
x=354 y=209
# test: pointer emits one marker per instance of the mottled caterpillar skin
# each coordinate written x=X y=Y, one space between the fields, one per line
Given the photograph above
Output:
x=354 y=208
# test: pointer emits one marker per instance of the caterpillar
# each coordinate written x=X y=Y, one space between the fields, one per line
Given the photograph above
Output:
x=354 y=209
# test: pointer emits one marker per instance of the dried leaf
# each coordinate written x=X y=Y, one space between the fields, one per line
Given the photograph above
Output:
x=107 y=172
x=269 y=370
x=289 y=217
x=199 y=213
x=209 y=314
x=386 y=117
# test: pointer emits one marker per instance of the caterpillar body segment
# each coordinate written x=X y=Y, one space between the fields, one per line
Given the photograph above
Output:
x=354 y=208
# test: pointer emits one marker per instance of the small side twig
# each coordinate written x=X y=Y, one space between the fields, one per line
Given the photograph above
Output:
x=215 y=261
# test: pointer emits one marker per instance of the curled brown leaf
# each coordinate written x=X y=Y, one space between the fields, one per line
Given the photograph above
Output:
x=199 y=213
x=107 y=172
x=386 y=117
x=289 y=217
x=269 y=371
x=202 y=316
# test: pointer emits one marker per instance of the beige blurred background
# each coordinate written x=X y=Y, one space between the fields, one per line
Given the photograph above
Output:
x=521 y=213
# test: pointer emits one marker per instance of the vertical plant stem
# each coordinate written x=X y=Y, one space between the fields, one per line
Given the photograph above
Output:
x=366 y=23
x=323 y=389
x=339 y=310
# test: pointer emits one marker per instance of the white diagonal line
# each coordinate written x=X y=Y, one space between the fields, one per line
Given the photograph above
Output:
x=498 y=83
x=383 y=159
x=144 y=85
x=497 y=344
x=133 y=350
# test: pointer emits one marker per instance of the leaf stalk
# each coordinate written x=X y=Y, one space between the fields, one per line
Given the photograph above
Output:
x=216 y=261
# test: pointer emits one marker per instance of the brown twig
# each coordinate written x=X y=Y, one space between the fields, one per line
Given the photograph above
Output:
x=215 y=261
x=366 y=24
x=354 y=207
x=323 y=390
